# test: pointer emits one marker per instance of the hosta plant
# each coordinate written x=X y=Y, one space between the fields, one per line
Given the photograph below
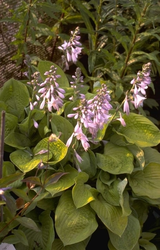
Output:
x=81 y=150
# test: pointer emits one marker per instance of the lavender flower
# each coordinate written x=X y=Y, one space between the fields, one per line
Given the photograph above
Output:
x=51 y=94
x=138 y=91
x=78 y=157
x=91 y=115
x=78 y=133
x=126 y=106
x=71 y=49
x=122 y=121
x=99 y=110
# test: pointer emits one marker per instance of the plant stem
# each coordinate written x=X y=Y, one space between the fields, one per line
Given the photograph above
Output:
x=2 y=152
x=2 y=141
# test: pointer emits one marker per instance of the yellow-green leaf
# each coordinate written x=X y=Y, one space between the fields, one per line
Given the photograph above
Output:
x=73 y=224
x=140 y=131
x=82 y=193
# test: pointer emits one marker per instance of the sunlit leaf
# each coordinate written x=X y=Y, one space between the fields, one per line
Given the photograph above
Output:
x=115 y=160
x=82 y=193
x=24 y=161
x=140 y=131
x=57 y=148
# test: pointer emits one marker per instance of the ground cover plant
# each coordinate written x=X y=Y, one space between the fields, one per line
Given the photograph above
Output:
x=81 y=144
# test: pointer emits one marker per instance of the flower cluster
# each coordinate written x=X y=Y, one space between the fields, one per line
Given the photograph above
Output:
x=71 y=49
x=48 y=93
x=138 y=91
x=92 y=115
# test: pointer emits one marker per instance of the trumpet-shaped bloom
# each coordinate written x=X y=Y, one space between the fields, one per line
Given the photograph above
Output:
x=92 y=115
x=71 y=49
x=126 y=108
x=138 y=92
x=78 y=133
x=51 y=94
x=122 y=121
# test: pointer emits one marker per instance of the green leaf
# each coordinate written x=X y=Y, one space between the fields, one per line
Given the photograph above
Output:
x=82 y=193
x=119 y=140
x=56 y=147
x=54 y=178
x=130 y=236
x=47 y=204
x=107 y=178
x=44 y=66
x=138 y=154
x=147 y=245
x=86 y=15
x=115 y=160
x=124 y=40
x=16 y=97
x=17 y=140
x=43 y=237
x=115 y=194
x=3 y=106
x=29 y=223
x=47 y=229
x=148 y=235
x=73 y=224
x=65 y=182
x=11 y=239
x=111 y=216
x=23 y=160
x=63 y=126
x=21 y=193
x=8 y=168
x=101 y=132
x=28 y=123
x=91 y=61
x=110 y=246
x=147 y=182
x=88 y=164
x=140 y=131
x=58 y=245
x=151 y=155
x=11 y=122
x=21 y=236
x=5 y=181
